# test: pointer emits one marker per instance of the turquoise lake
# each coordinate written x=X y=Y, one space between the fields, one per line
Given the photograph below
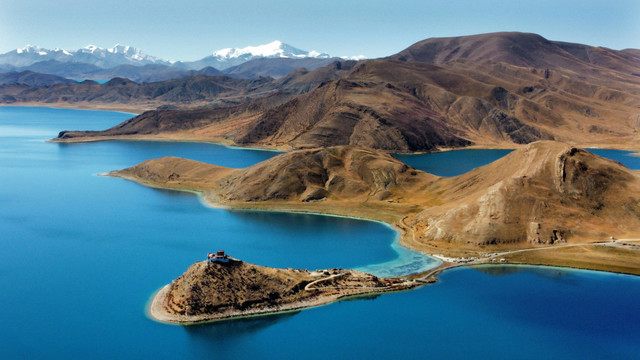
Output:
x=80 y=254
x=452 y=163
x=458 y=162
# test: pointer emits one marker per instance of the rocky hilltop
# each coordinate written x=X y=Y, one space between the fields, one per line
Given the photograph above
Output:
x=544 y=193
x=217 y=290
x=495 y=89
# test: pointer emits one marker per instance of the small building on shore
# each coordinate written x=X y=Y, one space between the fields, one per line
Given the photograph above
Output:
x=218 y=257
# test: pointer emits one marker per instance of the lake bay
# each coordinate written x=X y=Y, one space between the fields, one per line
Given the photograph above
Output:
x=80 y=255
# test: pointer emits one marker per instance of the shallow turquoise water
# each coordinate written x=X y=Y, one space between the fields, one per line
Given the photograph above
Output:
x=81 y=254
x=458 y=162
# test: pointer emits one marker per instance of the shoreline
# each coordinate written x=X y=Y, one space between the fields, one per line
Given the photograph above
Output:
x=631 y=147
x=397 y=240
x=405 y=235
x=425 y=277
x=139 y=109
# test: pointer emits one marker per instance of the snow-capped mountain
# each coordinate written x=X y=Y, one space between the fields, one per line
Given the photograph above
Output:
x=90 y=54
x=121 y=53
x=270 y=50
x=106 y=58
x=32 y=54
x=226 y=58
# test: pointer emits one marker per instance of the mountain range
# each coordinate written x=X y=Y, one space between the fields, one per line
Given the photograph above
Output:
x=90 y=54
x=494 y=89
x=95 y=63
x=226 y=58
x=205 y=88
x=30 y=78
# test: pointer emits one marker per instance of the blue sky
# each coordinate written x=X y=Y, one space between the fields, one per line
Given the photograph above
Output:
x=190 y=30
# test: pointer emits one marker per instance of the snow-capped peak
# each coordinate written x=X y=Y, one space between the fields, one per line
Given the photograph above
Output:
x=273 y=49
x=90 y=48
x=90 y=54
x=122 y=49
x=65 y=52
x=127 y=53
x=30 y=49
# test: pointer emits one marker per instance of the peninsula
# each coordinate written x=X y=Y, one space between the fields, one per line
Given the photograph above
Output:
x=561 y=204
x=223 y=287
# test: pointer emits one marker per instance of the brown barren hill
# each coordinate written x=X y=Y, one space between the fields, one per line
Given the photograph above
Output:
x=545 y=193
x=344 y=180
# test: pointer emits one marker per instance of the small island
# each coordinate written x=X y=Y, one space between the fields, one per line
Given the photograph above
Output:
x=222 y=287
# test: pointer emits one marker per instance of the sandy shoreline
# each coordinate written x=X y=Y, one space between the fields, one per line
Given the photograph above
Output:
x=156 y=312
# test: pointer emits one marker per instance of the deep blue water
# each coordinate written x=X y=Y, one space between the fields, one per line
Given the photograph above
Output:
x=80 y=255
x=452 y=163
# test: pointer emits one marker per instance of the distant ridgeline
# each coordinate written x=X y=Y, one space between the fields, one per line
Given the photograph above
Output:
x=275 y=59
x=499 y=89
